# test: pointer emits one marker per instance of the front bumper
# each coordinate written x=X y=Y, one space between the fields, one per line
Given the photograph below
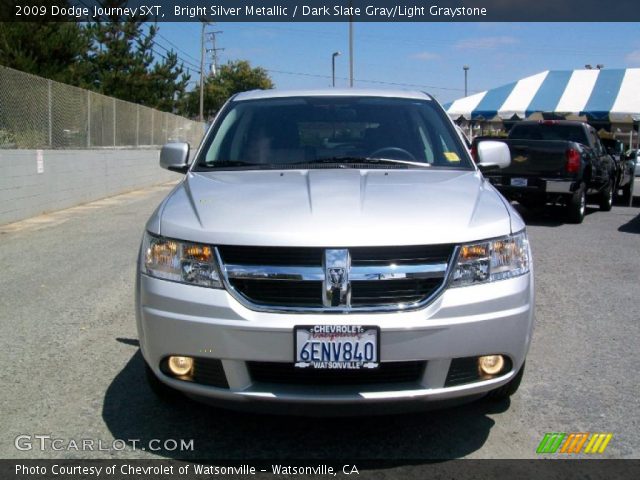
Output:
x=178 y=319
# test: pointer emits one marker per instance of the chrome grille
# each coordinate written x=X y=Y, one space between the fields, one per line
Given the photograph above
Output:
x=347 y=279
x=400 y=291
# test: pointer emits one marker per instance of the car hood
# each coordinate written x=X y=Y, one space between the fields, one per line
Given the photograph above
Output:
x=332 y=207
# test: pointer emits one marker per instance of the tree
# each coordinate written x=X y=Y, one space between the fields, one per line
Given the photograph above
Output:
x=233 y=77
x=114 y=55
x=51 y=49
x=167 y=83
x=123 y=64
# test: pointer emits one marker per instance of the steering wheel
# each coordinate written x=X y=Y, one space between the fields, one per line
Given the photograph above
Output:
x=404 y=154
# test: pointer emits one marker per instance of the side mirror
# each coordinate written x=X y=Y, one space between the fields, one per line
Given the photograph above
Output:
x=175 y=157
x=493 y=155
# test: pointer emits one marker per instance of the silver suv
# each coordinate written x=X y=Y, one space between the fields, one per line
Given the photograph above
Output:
x=334 y=249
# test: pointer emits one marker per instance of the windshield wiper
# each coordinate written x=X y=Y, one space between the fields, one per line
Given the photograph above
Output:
x=231 y=163
x=342 y=161
x=347 y=159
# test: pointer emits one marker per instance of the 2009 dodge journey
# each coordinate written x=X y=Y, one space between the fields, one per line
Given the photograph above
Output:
x=334 y=250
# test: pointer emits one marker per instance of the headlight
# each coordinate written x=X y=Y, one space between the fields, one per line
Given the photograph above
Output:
x=179 y=261
x=492 y=260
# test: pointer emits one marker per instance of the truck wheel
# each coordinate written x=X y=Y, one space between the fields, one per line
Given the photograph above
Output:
x=507 y=390
x=627 y=194
x=577 y=205
x=163 y=391
x=606 y=198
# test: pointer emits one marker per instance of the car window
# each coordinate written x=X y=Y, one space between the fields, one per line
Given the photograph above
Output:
x=572 y=133
x=597 y=146
x=283 y=131
x=615 y=146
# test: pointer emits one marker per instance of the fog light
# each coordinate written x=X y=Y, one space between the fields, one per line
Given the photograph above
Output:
x=180 y=366
x=491 y=364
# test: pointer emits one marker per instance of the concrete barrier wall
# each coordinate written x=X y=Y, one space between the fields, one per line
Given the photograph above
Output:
x=71 y=177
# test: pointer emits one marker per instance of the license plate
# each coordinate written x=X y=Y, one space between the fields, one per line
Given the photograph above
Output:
x=518 y=182
x=336 y=346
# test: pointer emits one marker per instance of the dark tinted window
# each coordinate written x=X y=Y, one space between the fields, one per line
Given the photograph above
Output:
x=542 y=131
x=307 y=129
x=614 y=146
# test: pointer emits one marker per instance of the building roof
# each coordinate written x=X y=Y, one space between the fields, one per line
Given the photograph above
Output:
x=608 y=94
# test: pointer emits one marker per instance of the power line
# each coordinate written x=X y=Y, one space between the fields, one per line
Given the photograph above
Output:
x=214 y=51
x=158 y=44
x=176 y=47
x=363 y=80
x=538 y=49
x=196 y=69
x=191 y=64
x=155 y=52
x=173 y=51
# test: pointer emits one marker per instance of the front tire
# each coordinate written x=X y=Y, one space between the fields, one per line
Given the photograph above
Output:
x=577 y=205
x=606 y=197
x=507 y=390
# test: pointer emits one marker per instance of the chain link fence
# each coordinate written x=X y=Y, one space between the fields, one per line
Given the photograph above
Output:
x=40 y=113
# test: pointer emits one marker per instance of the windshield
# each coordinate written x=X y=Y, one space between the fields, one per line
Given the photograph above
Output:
x=327 y=132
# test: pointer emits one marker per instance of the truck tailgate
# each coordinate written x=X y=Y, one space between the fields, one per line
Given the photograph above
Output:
x=537 y=158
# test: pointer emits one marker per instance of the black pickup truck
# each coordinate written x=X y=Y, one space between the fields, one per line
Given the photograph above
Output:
x=556 y=161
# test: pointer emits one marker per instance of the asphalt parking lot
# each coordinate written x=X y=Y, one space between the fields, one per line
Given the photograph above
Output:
x=71 y=367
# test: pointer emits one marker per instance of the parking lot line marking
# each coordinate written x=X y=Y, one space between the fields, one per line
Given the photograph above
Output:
x=551 y=442
x=590 y=444
x=567 y=443
x=560 y=437
x=543 y=443
x=605 y=443
x=582 y=441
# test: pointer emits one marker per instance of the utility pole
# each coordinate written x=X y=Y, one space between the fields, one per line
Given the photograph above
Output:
x=215 y=66
x=202 y=49
x=466 y=92
x=466 y=70
x=333 y=67
x=351 y=43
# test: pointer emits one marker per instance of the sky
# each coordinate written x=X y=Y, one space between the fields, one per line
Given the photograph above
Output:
x=423 y=56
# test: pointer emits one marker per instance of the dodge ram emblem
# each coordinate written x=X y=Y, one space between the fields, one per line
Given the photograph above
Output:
x=336 y=276
x=336 y=285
